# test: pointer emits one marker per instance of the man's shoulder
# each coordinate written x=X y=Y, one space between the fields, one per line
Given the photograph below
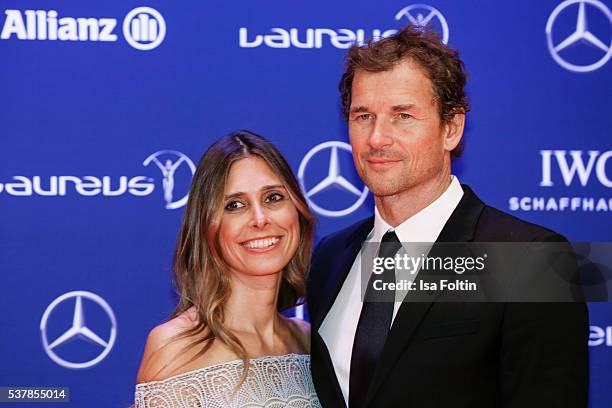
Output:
x=498 y=226
x=327 y=252
x=340 y=238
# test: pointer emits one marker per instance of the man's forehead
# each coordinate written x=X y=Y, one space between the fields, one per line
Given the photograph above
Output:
x=404 y=66
x=405 y=84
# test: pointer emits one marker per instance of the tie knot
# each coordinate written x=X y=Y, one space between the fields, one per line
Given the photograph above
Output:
x=390 y=236
x=389 y=244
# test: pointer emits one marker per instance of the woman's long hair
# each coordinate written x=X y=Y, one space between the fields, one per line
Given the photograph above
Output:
x=200 y=273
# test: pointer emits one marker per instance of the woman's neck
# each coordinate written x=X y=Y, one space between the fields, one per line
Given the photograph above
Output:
x=252 y=306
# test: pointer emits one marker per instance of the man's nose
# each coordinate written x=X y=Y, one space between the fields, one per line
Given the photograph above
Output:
x=380 y=137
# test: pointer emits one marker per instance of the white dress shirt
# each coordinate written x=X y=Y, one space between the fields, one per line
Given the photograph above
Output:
x=339 y=326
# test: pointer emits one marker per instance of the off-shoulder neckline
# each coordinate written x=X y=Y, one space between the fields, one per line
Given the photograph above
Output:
x=213 y=366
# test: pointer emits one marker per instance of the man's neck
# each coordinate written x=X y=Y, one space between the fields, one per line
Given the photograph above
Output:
x=397 y=208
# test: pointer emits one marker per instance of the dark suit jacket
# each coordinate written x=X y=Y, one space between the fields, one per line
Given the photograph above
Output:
x=472 y=355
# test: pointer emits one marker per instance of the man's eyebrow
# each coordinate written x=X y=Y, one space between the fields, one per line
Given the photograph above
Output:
x=264 y=188
x=360 y=108
x=406 y=106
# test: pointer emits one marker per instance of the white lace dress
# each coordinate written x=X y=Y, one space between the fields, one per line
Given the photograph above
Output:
x=272 y=381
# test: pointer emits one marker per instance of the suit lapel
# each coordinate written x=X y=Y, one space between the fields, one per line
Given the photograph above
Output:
x=459 y=228
x=339 y=268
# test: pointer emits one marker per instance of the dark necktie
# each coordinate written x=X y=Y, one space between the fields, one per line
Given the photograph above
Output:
x=373 y=327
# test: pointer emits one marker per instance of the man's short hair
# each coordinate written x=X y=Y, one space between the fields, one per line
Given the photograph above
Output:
x=420 y=45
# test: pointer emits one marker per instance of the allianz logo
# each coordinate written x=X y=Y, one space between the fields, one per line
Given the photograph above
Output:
x=574 y=164
x=85 y=186
x=45 y=25
x=599 y=336
x=144 y=28
x=310 y=38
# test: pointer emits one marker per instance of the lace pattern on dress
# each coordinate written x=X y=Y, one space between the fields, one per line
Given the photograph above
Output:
x=272 y=381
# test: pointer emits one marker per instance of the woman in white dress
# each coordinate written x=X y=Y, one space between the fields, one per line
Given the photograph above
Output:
x=243 y=248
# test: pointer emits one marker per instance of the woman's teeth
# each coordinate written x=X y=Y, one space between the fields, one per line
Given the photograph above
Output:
x=261 y=243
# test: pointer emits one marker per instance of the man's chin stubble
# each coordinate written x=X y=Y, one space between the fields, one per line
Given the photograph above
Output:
x=382 y=189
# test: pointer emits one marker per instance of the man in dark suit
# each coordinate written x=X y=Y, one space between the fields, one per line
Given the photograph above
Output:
x=404 y=100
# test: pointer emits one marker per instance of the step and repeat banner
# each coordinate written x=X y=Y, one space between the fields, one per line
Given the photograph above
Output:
x=105 y=107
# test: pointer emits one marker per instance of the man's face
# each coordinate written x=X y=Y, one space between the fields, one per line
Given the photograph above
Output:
x=395 y=131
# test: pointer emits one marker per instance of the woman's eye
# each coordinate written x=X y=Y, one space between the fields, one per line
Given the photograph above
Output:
x=234 y=205
x=275 y=197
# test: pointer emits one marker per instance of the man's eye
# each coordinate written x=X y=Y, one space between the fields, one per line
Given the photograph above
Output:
x=363 y=117
x=234 y=205
x=404 y=116
x=275 y=197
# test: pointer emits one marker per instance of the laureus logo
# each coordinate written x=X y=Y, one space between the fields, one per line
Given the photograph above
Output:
x=417 y=14
x=168 y=161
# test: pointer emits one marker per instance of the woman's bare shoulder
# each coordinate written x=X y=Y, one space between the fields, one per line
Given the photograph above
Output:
x=302 y=329
x=164 y=356
x=162 y=349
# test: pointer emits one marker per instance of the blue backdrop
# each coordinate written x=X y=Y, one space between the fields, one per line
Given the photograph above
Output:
x=105 y=107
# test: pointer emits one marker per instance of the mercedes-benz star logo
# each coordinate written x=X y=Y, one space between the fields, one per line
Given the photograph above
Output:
x=168 y=168
x=421 y=15
x=333 y=178
x=580 y=35
x=78 y=329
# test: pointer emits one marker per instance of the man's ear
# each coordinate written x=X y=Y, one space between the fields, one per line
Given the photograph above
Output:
x=453 y=131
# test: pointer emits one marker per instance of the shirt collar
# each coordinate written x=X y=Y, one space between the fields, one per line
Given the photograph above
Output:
x=426 y=225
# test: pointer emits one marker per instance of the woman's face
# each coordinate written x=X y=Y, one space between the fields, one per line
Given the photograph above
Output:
x=259 y=231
